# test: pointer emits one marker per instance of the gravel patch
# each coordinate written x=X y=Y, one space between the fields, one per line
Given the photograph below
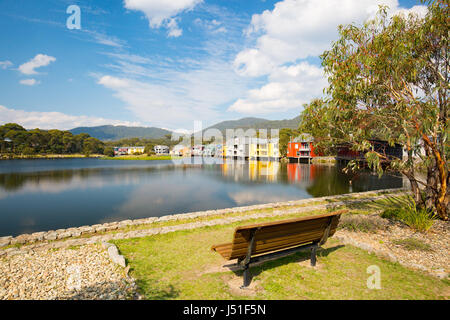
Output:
x=82 y=273
x=384 y=242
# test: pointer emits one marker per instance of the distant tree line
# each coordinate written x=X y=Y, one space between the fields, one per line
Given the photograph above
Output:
x=15 y=139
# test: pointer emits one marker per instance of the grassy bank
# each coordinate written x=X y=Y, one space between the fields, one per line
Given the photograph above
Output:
x=140 y=157
x=180 y=265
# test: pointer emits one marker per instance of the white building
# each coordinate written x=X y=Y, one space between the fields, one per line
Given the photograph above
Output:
x=159 y=149
x=238 y=147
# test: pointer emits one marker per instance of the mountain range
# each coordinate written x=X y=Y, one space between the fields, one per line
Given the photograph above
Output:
x=110 y=132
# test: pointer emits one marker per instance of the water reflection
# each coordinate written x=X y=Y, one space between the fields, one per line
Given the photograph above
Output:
x=33 y=197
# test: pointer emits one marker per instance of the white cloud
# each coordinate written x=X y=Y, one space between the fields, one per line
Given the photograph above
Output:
x=106 y=40
x=295 y=30
x=29 y=82
x=40 y=60
x=289 y=87
x=178 y=98
x=5 y=64
x=161 y=13
x=54 y=120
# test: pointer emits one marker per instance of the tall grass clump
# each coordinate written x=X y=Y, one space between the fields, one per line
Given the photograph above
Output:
x=407 y=212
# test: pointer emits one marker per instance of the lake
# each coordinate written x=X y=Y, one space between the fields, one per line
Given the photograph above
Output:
x=41 y=195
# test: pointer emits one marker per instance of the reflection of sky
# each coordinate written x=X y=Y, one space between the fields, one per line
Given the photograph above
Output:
x=112 y=191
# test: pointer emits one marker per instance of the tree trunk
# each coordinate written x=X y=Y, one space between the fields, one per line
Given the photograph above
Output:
x=442 y=198
x=414 y=189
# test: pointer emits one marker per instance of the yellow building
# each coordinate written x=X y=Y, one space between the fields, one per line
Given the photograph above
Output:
x=134 y=150
x=264 y=149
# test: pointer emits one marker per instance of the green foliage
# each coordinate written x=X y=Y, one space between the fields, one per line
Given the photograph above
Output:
x=285 y=136
x=389 y=80
x=17 y=140
x=407 y=212
x=109 y=151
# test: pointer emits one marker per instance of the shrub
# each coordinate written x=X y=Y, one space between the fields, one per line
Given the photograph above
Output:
x=408 y=213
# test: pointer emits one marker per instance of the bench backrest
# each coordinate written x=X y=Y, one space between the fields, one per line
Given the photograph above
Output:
x=281 y=235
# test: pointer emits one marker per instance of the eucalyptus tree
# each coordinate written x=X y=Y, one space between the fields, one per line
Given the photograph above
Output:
x=389 y=79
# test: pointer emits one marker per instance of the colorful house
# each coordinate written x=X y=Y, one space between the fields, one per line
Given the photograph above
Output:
x=264 y=149
x=197 y=150
x=120 y=151
x=180 y=151
x=160 y=149
x=238 y=147
x=301 y=147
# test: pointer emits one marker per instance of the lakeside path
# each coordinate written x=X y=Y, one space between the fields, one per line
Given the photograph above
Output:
x=26 y=254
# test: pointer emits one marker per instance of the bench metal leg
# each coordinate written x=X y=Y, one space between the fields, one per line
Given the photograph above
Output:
x=247 y=279
x=313 y=255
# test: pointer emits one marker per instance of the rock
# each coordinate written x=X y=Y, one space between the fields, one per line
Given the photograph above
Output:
x=64 y=235
x=115 y=256
x=50 y=235
x=106 y=245
x=5 y=241
x=38 y=236
x=75 y=233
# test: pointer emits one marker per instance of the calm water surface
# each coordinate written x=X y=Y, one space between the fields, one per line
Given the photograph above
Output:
x=39 y=195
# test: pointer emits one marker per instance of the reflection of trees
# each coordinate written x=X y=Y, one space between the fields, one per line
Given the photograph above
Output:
x=329 y=180
x=15 y=181
x=334 y=181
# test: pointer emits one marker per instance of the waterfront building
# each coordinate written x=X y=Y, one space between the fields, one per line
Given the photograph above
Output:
x=160 y=149
x=345 y=152
x=120 y=151
x=209 y=150
x=197 y=150
x=238 y=147
x=180 y=151
x=301 y=147
x=264 y=149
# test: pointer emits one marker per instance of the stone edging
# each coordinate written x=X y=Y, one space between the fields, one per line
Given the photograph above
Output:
x=76 y=232
x=186 y=226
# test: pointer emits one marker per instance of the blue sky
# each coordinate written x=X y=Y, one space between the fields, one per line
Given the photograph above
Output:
x=167 y=63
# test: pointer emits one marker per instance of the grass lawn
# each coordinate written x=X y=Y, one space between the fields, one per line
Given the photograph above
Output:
x=180 y=265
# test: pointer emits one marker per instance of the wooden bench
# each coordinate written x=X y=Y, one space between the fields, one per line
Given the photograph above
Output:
x=264 y=241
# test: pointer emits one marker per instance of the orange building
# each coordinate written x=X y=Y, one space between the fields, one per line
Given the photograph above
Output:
x=301 y=148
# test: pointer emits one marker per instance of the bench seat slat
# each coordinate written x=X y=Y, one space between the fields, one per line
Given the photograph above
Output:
x=268 y=233
x=278 y=235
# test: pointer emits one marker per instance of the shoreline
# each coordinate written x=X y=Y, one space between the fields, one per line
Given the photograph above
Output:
x=50 y=156
x=92 y=230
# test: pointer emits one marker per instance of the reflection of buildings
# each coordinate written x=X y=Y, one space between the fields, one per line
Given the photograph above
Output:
x=296 y=172
x=251 y=170
x=263 y=170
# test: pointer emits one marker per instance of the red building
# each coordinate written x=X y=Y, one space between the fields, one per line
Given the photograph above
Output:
x=301 y=148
